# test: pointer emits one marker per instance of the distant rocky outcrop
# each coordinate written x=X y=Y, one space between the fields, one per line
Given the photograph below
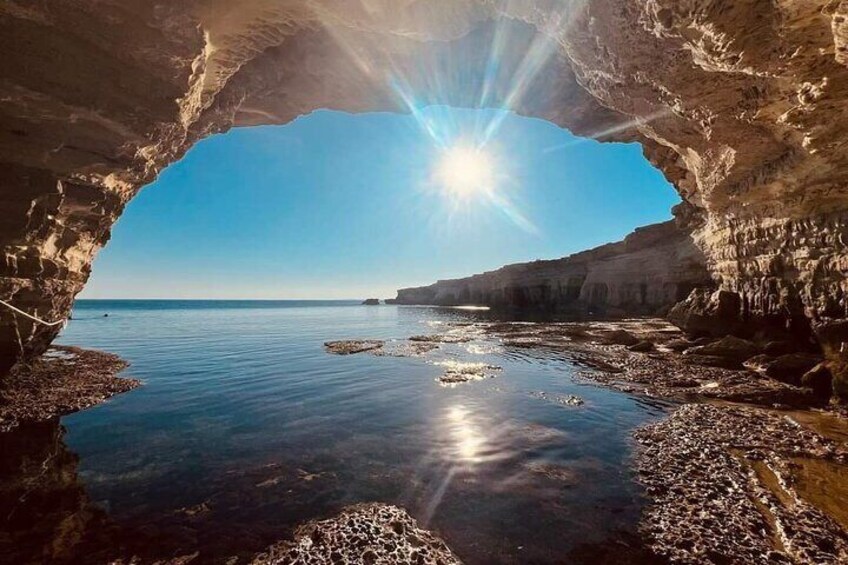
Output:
x=371 y=302
x=648 y=272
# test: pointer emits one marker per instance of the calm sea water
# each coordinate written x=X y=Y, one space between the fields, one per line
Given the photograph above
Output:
x=245 y=427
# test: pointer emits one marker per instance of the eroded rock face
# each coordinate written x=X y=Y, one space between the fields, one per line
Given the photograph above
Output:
x=742 y=105
x=652 y=269
x=367 y=533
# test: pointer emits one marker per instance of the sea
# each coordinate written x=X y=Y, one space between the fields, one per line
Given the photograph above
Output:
x=245 y=427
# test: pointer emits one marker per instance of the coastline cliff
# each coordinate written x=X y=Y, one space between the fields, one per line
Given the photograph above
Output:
x=648 y=272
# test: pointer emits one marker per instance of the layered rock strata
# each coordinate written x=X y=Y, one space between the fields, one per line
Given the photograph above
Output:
x=741 y=105
x=650 y=270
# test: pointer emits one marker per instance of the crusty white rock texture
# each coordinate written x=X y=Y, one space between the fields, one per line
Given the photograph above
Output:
x=741 y=104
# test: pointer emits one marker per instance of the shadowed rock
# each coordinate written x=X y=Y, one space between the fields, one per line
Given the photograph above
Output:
x=732 y=349
x=63 y=380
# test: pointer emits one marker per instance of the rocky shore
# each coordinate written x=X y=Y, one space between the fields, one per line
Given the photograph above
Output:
x=725 y=486
x=752 y=461
x=63 y=380
x=724 y=480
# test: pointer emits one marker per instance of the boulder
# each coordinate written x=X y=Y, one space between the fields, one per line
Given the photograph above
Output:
x=708 y=313
x=792 y=367
x=712 y=361
x=620 y=337
x=759 y=363
x=787 y=368
x=641 y=347
x=731 y=348
x=779 y=347
x=820 y=380
x=679 y=345
x=371 y=302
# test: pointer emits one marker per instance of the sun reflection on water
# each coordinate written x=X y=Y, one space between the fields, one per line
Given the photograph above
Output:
x=468 y=441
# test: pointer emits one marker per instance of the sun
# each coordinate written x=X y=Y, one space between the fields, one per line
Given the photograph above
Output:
x=465 y=172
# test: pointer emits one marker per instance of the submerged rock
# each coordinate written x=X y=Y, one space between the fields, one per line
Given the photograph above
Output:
x=368 y=534
x=442 y=338
x=563 y=400
x=457 y=372
x=351 y=346
x=566 y=476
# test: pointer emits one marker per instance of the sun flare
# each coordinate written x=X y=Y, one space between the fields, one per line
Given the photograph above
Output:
x=465 y=172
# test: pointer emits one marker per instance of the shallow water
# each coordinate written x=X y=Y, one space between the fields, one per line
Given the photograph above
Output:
x=245 y=427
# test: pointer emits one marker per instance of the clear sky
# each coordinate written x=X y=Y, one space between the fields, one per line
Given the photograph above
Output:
x=335 y=205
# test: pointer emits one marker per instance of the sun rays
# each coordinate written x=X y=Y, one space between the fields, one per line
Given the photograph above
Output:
x=499 y=62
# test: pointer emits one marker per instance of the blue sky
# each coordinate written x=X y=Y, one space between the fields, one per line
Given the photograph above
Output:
x=336 y=205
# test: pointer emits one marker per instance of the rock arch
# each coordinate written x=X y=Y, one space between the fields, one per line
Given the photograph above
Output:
x=742 y=105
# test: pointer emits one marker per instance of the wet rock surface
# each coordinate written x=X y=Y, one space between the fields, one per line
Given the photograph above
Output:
x=456 y=372
x=405 y=349
x=659 y=370
x=721 y=483
x=63 y=380
x=456 y=337
x=562 y=400
x=352 y=346
x=724 y=483
x=377 y=534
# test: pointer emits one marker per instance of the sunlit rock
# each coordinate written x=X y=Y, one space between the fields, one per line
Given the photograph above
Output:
x=352 y=346
x=650 y=270
x=367 y=533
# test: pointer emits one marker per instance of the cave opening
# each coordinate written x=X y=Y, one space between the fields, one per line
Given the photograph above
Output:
x=470 y=60
x=341 y=206
x=271 y=172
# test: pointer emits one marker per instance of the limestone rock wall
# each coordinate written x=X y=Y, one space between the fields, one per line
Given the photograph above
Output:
x=741 y=104
x=648 y=272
